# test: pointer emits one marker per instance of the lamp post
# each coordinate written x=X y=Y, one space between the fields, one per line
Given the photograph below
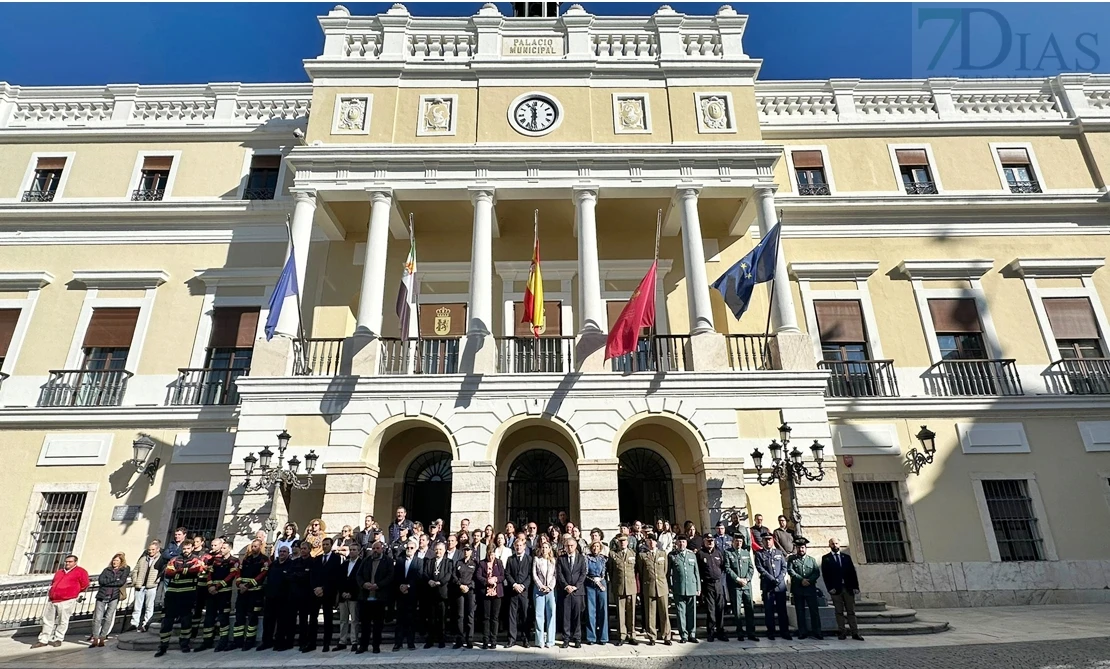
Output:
x=790 y=468
x=915 y=459
x=270 y=478
x=142 y=448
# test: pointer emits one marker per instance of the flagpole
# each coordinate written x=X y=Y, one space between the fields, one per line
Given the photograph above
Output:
x=655 y=259
x=302 y=340
x=771 y=293
x=535 y=333
x=414 y=304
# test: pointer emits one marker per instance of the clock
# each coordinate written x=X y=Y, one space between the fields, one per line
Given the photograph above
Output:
x=535 y=114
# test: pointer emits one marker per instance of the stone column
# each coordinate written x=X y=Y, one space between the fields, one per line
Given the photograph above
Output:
x=364 y=346
x=589 y=354
x=706 y=349
x=820 y=505
x=479 y=351
x=598 y=501
x=720 y=488
x=472 y=492
x=349 y=489
x=791 y=348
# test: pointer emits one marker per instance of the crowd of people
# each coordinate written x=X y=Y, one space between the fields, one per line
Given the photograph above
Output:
x=464 y=586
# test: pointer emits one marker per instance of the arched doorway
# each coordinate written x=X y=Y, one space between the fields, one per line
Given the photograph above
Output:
x=645 y=489
x=538 y=488
x=427 y=492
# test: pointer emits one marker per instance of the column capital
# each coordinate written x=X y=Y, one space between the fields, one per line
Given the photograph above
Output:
x=380 y=194
x=686 y=191
x=764 y=191
x=585 y=192
x=481 y=193
x=304 y=195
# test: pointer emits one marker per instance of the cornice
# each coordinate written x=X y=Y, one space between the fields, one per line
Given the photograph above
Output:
x=944 y=269
x=1051 y=268
x=303 y=157
x=959 y=202
x=13 y=282
x=236 y=276
x=123 y=279
x=834 y=271
x=100 y=417
x=87 y=210
x=903 y=407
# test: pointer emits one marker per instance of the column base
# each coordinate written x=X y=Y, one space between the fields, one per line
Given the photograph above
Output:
x=349 y=489
x=722 y=489
x=272 y=358
x=599 y=502
x=589 y=353
x=479 y=354
x=472 y=486
x=707 y=352
x=362 y=354
x=792 y=351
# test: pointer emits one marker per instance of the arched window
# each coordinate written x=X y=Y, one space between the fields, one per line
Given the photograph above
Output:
x=645 y=487
x=538 y=488
x=427 y=491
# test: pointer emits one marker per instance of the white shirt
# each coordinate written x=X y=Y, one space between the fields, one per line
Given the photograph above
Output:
x=408 y=561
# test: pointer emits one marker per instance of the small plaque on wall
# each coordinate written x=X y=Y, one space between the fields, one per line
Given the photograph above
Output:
x=126 y=513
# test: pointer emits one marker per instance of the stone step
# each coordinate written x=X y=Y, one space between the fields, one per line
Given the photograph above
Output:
x=887 y=617
x=899 y=629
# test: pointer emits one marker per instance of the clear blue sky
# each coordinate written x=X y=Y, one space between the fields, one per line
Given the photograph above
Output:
x=155 y=43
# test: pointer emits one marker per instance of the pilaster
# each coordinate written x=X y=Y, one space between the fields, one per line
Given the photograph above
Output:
x=720 y=489
x=273 y=357
x=472 y=486
x=821 y=507
x=792 y=351
x=598 y=498
x=349 y=489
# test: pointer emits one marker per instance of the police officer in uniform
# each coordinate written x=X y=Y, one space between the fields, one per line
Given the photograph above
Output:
x=804 y=573
x=181 y=587
x=771 y=565
x=252 y=574
x=279 y=613
x=740 y=570
x=465 y=597
x=652 y=565
x=222 y=571
x=683 y=577
x=711 y=563
x=622 y=584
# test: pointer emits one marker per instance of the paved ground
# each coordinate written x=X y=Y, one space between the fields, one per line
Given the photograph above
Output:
x=1046 y=637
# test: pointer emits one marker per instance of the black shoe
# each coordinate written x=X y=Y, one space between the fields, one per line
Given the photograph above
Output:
x=722 y=638
x=617 y=642
x=577 y=644
x=842 y=636
x=396 y=647
x=458 y=645
x=802 y=636
x=264 y=646
x=771 y=637
x=526 y=644
x=566 y=644
x=375 y=649
x=710 y=638
x=819 y=637
x=442 y=645
x=326 y=648
x=412 y=646
x=753 y=638
x=359 y=651
x=681 y=640
x=632 y=641
x=186 y=649
x=857 y=637
x=651 y=642
x=161 y=650
x=340 y=647
x=427 y=644
x=787 y=637
x=693 y=639
x=666 y=642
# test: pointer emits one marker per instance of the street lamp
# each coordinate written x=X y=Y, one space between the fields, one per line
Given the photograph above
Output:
x=142 y=448
x=791 y=469
x=915 y=459
x=271 y=477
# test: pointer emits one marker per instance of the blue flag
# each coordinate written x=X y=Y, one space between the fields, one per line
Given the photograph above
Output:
x=286 y=286
x=758 y=266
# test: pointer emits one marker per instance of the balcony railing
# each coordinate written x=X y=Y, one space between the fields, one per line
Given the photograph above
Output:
x=949 y=378
x=84 y=388
x=21 y=603
x=148 y=195
x=258 y=194
x=35 y=195
x=525 y=355
x=1079 y=376
x=1024 y=187
x=207 y=386
x=860 y=378
x=747 y=352
x=317 y=357
x=813 y=189
x=659 y=353
x=921 y=188
x=420 y=356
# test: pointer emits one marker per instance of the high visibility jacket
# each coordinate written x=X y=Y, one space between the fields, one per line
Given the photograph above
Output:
x=182 y=573
x=252 y=571
x=222 y=572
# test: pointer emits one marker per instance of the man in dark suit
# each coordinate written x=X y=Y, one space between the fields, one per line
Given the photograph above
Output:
x=518 y=590
x=570 y=576
x=438 y=573
x=374 y=578
x=841 y=580
x=330 y=579
x=408 y=572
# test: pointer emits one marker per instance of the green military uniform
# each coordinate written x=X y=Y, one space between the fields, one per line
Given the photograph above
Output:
x=805 y=568
x=685 y=582
x=652 y=566
x=740 y=569
x=622 y=586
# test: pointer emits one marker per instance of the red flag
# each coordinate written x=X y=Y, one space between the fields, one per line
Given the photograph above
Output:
x=638 y=313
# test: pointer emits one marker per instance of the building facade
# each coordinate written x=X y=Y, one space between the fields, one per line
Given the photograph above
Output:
x=943 y=245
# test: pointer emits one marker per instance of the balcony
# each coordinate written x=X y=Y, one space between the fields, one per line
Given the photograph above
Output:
x=317 y=357
x=528 y=355
x=206 y=386
x=36 y=195
x=1079 y=376
x=748 y=352
x=973 y=378
x=84 y=388
x=1025 y=187
x=258 y=194
x=419 y=356
x=813 y=189
x=921 y=188
x=658 y=353
x=860 y=378
x=148 y=195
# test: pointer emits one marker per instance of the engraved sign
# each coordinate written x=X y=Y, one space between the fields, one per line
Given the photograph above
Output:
x=532 y=46
x=126 y=513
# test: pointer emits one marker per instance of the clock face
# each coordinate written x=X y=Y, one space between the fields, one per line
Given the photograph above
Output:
x=535 y=114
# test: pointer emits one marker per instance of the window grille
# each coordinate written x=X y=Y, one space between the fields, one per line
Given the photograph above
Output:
x=198 y=511
x=1015 y=525
x=881 y=522
x=59 y=516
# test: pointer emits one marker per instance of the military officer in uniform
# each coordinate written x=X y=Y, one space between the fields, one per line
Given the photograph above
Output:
x=711 y=563
x=740 y=570
x=683 y=577
x=804 y=572
x=771 y=565
x=652 y=567
x=622 y=584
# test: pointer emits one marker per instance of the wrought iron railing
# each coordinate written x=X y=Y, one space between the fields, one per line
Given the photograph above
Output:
x=258 y=194
x=748 y=352
x=523 y=355
x=84 y=388
x=658 y=353
x=21 y=604
x=813 y=189
x=148 y=194
x=1079 y=376
x=206 y=386
x=37 y=195
x=860 y=378
x=921 y=188
x=419 y=356
x=949 y=378
x=1024 y=187
x=317 y=357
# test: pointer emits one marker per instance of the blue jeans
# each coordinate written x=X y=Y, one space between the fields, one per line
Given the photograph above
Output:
x=597 y=615
x=545 y=618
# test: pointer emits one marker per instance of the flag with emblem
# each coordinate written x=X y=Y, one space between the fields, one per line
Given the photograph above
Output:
x=406 y=293
x=639 y=313
x=533 y=290
x=737 y=283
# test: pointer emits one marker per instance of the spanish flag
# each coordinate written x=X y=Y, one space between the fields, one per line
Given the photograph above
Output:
x=533 y=291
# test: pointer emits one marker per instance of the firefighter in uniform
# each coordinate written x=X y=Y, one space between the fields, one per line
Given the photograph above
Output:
x=181 y=586
x=202 y=585
x=222 y=571
x=252 y=573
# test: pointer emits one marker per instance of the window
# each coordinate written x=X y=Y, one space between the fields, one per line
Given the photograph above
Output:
x=108 y=338
x=48 y=176
x=1015 y=525
x=198 y=511
x=55 y=533
x=262 y=178
x=1073 y=325
x=809 y=168
x=1018 y=170
x=153 y=178
x=230 y=349
x=914 y=167
x=527 y=353
x=881 y=523
x=8 y=319
x=840 y=324
x=959 y=332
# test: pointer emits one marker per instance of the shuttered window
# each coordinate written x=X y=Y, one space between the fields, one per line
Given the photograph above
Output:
x=840 y=321
x=8 y=319
x=1071 y=318
x=807 y=159
x=266 y=162
x=233 y=327
x=955 y=315
x=553 y=318
x=111 y=328
x=912 y=157
x=1013 y=156
x=157 y=163
x=51 y=164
